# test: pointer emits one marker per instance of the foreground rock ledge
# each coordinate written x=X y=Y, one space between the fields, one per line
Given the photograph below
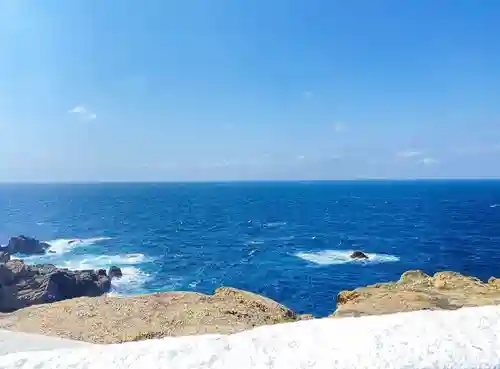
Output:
x=108 y=319
x=416 y=290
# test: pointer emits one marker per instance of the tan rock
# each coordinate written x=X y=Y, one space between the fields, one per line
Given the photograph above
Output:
x=416 y=290
x=345 y=296
x=108 y=319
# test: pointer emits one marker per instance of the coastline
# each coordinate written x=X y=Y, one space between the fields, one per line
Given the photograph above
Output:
x=115 y=319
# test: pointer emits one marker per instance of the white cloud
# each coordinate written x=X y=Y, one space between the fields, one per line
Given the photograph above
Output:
x=428 y=161
x=307 y=94
x=339 y=127
x=409 y=154
x=301 y=157
x=83 y=112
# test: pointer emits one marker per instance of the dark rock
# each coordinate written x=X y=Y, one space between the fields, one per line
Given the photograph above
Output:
x=23 y=285
x=4 y=255
x=115 y=272
x=26 y=245
x=7 y=276
x=358 y=255
x=44 y=268
x=20 y=270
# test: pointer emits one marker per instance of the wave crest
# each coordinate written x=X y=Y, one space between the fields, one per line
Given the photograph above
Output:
x=105 y=261
x=63 y=245
x=132 y=282
x=335 y=257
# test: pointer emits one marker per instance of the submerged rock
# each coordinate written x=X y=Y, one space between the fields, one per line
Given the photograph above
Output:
x=358 y=255
x=26 y=245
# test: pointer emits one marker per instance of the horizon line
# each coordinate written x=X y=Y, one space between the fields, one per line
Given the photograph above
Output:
x=215 y=181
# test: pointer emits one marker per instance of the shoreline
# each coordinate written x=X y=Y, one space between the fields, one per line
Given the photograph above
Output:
x=115 y=319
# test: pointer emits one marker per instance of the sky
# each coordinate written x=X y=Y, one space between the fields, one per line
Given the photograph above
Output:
x=158 y=90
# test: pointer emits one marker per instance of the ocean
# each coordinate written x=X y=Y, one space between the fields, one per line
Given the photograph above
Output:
x=289 y=241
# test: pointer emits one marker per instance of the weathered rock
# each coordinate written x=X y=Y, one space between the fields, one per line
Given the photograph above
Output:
x=115 y=272
x=43 y=268
x=358 y=255
x=416 y=290
x=6 y=275
x=26 y=245
x=4 y=256
x=24 y=285
x=107 y=319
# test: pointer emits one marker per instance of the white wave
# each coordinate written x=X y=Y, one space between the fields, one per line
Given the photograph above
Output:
x=494 y=205
x=105 y=261
x=193 y=284
x=254 y=242
x=334 y=257
x=132 y=281
x=275 y=224
x=63 y=245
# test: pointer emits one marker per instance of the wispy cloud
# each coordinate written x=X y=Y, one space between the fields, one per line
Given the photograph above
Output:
x=429 y=161
x=409 y=154
x=83 y=112
x=301 y=157
x=307 y=94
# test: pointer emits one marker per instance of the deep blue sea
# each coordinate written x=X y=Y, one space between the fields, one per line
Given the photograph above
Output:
x=289 y=241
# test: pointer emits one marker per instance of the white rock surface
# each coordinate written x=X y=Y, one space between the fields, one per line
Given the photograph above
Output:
x=463 y=339
x=11 y=342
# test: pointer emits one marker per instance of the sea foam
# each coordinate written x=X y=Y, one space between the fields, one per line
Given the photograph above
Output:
x=63 y=245
x=132 y=282
x=333 y=257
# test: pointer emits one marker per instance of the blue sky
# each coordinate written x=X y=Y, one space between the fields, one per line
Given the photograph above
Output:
x=94 y=90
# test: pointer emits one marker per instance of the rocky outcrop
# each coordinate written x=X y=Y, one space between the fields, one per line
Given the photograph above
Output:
x=26 y=245
x=416 y=290
x=115 y=272
x=4 y=256
x=358 y=255
x=23 y=285
x=108 y=319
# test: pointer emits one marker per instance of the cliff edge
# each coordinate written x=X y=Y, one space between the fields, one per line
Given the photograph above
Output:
x=108 y=319
x=416 y=290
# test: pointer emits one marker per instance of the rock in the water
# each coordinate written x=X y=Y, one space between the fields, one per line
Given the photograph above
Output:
x=358 y=255
x=115 y=272
x=24 y=285
x=26 y=245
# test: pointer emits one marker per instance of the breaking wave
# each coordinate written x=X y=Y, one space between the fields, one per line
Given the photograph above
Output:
x=335 y=257
x=63 y=245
